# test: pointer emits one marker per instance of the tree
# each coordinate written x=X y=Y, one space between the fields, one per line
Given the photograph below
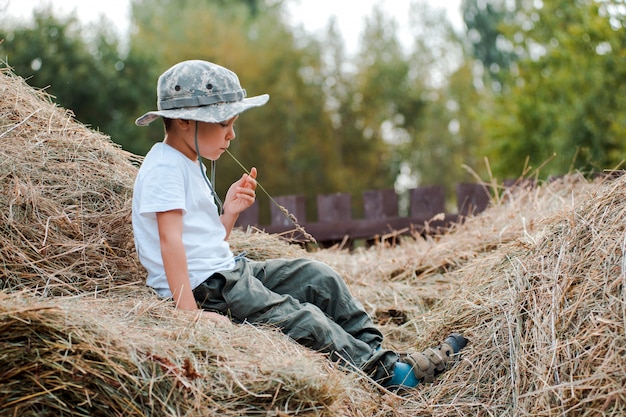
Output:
x=485 y=21
x=366 y=98
x=87 y=76
x=259 y=47
x=565 y=96
x=440 y=103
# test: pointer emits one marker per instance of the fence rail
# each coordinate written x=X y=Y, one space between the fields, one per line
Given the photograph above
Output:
x=426 y=214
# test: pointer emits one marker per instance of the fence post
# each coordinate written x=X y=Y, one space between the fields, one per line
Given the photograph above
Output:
x=472 y=198
x=426 y=202
x=335 y=223
x=294 y=204
x=380 y=204
x=334 y=208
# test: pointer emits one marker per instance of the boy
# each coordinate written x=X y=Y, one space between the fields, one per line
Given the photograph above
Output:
x=181 y=238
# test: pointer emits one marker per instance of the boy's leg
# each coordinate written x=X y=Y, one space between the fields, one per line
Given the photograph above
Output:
x=314 y=282
x=245 y=298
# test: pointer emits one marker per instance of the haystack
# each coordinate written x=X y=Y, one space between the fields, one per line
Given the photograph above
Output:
x=137 y=357
x=546 y=314
x=64 y=199
x=536 y=283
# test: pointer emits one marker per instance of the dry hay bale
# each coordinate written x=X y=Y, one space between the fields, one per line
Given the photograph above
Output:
x=84 y=357
x=258 y=245
x=64 y=198
x=546 y=317
x=52 y=364
x=65 y=204
x=535 y=282
x=514 y=213
x=66 y=230
x=402 y=283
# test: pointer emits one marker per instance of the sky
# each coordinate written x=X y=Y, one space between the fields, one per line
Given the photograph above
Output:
x=313 y=15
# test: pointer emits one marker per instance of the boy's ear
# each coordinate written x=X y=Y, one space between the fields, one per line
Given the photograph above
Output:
x=183 y=124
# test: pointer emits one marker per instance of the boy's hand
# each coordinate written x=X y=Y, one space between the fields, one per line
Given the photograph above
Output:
x=241 y=194
x=216 y=318
x=199 y=314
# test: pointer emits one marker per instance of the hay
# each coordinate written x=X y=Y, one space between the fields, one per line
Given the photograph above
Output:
x=536 y=283
x=408 y=280
x=547 y=315
x=65 y=199
x=104 y=344
x=58 y=360
x=258 y=245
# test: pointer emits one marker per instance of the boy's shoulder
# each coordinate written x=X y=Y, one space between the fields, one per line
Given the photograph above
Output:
x=161 y=152
x=164 y=158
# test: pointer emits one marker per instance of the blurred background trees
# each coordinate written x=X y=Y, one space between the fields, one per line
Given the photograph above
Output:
x=557 y=72
x=524 y=84
x=84 y=70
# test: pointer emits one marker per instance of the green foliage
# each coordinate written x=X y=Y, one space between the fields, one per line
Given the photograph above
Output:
x=88 y=76
x=439 y=105
x=332 y=124
x=528 y=81
x=378 y=95
x=485 y=21
x=565 y=97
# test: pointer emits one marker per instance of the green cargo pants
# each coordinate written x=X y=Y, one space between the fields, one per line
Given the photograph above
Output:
x=308 y=301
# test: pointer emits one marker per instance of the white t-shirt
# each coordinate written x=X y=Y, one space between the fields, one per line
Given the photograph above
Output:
x=168 y=180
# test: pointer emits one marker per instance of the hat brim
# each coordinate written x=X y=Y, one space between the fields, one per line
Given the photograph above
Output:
x=213 y=113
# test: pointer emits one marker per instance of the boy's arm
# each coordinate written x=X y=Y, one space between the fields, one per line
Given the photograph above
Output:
x=170 y=225
x=229 y=220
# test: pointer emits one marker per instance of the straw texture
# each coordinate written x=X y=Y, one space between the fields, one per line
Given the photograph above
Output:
x=65 y=198
x=536 y=283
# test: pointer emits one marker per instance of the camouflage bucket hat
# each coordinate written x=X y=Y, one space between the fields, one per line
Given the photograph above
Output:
x=201 y=91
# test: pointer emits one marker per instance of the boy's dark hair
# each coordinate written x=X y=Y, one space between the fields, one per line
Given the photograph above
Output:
x=167 y=123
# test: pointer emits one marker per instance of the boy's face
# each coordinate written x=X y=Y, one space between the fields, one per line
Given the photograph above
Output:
x=213 y=138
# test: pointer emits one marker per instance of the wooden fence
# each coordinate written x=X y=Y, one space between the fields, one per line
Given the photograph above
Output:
x=426 y=214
